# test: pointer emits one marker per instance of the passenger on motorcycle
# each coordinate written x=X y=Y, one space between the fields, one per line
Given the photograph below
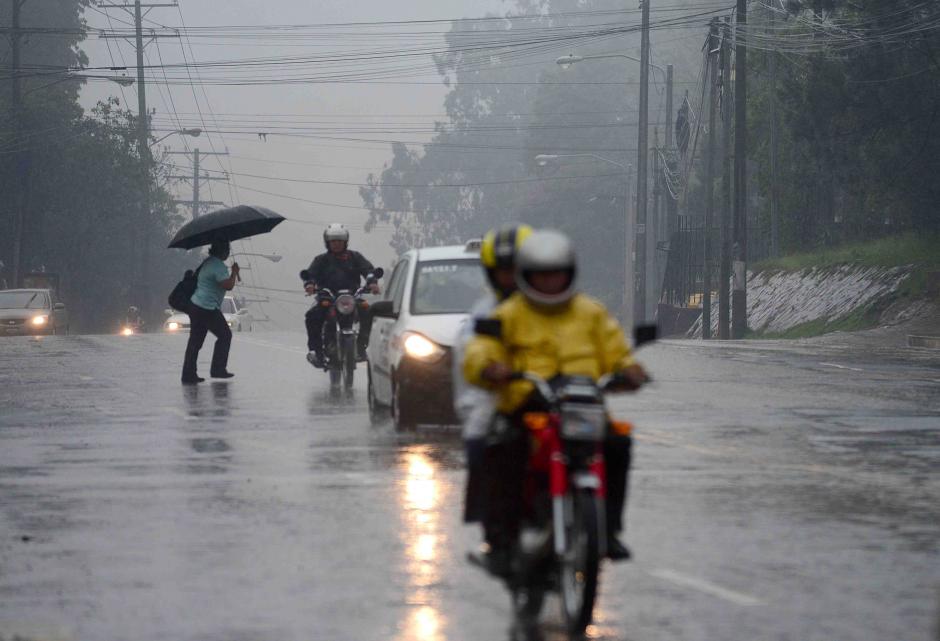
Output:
x=475 y=406
x=338 y=268
x=549 y=329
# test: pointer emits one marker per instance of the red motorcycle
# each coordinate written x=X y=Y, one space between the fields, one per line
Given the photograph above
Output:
x=563 y=537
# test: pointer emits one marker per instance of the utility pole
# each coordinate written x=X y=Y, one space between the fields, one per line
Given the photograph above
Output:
x=774 y=220
x=739 y=295
x=19 y=199
x=654 y=229
x=672 y=205
x=145 y=227
x=724 y=270
x=143 y=146
x=709 y=182
x=195 y=204
x=639 y=314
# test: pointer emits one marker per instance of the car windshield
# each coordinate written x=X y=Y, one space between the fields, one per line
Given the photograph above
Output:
x=22 y=300
x=447 y=286
x=228 y=306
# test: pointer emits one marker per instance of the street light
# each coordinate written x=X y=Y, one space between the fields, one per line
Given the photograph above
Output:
x=566 y=61
x=544 y=160
x=274 y=258
x=195 y=132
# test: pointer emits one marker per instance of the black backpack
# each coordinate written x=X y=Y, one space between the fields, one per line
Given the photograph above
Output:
x=179 y=298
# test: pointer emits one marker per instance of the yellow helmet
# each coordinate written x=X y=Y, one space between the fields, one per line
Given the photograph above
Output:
x=498 y=251
x=499 y=246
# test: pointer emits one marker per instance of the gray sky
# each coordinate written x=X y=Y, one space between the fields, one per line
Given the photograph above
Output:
x=324 y=103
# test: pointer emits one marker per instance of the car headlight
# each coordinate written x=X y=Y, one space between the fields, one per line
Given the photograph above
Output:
x=40 y=320
x=172 y=326
x=422 y=348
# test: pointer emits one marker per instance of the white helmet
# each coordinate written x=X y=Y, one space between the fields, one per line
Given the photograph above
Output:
x=546 y=250
x=335 y=231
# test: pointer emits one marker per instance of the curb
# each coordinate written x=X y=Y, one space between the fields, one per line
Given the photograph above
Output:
x=930 y=342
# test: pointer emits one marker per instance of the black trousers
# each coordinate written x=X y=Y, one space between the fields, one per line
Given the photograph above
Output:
x=315 y=317
x=202 y=321
x=500 y=473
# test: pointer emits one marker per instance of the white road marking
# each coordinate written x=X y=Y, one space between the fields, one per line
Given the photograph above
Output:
x=837 y=366
x=707 y=587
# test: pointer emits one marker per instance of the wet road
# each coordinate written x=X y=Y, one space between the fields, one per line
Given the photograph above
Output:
x=781 y=491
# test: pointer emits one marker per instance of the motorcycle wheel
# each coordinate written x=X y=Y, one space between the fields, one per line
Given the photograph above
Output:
x=579 y=567
x=336 y=377
x=349 y=362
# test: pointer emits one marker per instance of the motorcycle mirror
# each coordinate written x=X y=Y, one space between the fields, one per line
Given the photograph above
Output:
x=643 y=334
x=304 y=274
x=378 y=272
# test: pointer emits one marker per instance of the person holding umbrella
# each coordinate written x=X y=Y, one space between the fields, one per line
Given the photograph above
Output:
x=217 y=228
x=205 y=315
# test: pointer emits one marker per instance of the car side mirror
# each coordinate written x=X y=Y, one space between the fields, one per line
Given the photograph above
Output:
x=643 y=334
x=59 y=306
x=384 y=309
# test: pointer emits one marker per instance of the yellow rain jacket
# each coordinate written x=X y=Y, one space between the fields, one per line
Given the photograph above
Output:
x=579 y=338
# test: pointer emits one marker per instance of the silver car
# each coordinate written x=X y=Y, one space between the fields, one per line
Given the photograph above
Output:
x=237 y=317
x=32 y=312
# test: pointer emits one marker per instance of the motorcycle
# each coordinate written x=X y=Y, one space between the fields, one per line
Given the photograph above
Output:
x=341 y=329
x=564 y=536
x=131 y=328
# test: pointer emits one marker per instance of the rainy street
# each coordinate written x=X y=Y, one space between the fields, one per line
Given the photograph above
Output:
x=780 y=491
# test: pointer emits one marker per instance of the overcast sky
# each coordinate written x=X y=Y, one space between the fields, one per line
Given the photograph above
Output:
x=317 y=103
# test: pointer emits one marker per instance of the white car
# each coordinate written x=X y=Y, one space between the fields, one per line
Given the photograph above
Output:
x=238 y=318
x=426 y=300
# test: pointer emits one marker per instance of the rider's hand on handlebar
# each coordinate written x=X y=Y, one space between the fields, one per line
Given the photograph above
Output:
x=310 y=288
x=498 y=373
x=633 y=377
x=374 y=288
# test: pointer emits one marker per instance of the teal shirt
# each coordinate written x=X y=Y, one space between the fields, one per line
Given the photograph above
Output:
x=209 y=291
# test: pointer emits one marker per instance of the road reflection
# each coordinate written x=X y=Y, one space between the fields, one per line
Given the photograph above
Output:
x=420 y=499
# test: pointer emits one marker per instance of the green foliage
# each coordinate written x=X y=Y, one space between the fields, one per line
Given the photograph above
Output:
x=84 y=188
x=858 y=151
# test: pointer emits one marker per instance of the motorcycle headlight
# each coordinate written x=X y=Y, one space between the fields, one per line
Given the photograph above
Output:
x=422 y=348
x=345 y=304
x=39 y=321
x=172 y=326
x=127 y=331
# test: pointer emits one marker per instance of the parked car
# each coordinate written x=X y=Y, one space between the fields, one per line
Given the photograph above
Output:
x=237 y=316
x=32 y=311
x=427 y=298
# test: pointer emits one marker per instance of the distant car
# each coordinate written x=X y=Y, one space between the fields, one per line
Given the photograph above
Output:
x=427 y=298
x=32 y=311
x=238 y=318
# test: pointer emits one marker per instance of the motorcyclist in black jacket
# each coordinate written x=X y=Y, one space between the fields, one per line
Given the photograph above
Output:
x=338 y=268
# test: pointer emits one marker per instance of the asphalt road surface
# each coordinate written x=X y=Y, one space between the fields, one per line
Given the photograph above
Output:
x=781 y=491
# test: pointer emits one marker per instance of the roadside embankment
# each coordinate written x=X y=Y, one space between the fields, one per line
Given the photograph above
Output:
x=846 y=289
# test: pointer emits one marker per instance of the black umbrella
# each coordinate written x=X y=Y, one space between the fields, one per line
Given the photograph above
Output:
x=226 y=224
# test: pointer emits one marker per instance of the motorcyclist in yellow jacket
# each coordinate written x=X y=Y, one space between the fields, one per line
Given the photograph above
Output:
x=549 y=329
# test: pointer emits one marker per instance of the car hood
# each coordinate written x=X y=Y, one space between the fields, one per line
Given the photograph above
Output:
x=11 y=314
x=177 y=318
x=440 y=328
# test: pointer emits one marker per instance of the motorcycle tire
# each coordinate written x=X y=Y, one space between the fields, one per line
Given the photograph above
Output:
x=349 y=361
x=580 y=565
x=336 y=377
